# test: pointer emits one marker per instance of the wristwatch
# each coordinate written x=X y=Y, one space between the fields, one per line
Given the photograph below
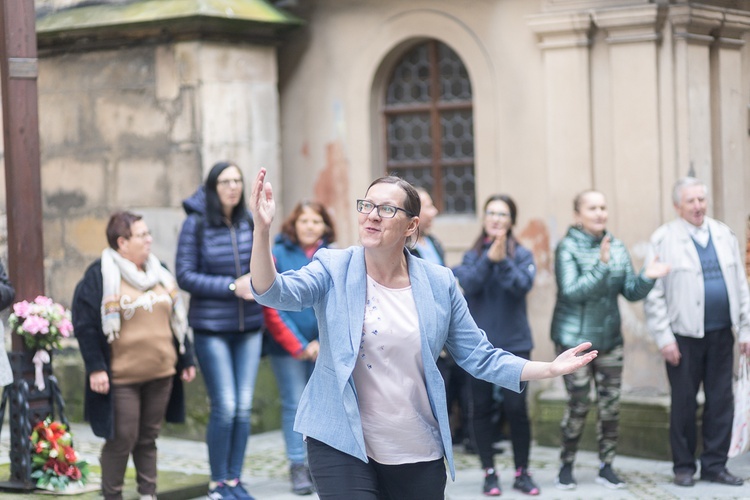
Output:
x=232 y=287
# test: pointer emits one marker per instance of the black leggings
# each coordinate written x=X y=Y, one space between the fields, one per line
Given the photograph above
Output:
x=481 y=429
x=340 y=476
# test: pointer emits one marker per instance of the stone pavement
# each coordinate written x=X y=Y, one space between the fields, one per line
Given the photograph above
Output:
x=266 y=471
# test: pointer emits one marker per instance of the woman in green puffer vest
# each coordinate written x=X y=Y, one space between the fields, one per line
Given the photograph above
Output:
x=592 y=268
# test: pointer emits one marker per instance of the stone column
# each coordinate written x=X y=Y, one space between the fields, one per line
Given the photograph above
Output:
x=632 y=35
x=565 y=41
x=691 y=32
x=729 y=123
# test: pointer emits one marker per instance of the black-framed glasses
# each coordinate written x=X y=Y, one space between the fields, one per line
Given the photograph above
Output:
x=384 y=211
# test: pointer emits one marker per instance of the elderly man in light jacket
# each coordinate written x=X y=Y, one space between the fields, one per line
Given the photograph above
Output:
x=693 y=314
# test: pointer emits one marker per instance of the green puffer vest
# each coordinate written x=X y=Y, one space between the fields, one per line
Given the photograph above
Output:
x=587 y=290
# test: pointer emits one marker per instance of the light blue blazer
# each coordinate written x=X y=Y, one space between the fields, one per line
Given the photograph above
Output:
x=334 y=284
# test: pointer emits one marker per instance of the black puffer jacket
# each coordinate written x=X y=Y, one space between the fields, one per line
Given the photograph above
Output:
x=209 y=258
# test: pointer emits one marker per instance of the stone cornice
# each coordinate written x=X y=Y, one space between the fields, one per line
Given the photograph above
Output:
x=733 y=27
x=708 y=24
x=694 y=23
x=562 y=30
x=91 y=26
x=632 y=24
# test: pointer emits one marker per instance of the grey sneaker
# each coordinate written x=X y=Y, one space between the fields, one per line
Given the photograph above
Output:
x=301 y=481
x=608 y=478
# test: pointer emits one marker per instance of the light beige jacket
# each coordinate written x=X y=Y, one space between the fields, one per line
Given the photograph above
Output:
x=676 y=303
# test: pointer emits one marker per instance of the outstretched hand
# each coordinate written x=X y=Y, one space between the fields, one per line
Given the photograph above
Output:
x=572 y=359
x=567 y=362
x=656 y=269
x=261 y=203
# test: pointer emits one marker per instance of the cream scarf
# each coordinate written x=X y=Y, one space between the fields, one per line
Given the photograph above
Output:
x=115 y=268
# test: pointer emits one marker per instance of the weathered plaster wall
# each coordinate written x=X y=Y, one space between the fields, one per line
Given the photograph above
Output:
x=137 y=128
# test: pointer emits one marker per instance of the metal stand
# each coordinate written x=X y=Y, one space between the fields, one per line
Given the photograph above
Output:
x=28 y=406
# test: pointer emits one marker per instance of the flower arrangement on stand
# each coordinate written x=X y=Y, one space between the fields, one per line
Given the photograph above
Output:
x=42 y=323
x=54 y=463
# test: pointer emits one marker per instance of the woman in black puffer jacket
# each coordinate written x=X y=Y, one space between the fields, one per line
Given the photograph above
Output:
x=213 y=264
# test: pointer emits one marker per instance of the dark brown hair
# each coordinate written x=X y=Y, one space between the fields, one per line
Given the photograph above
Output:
x=512 y=242
x=119 y=225
x=289 y=230
x=412 y=204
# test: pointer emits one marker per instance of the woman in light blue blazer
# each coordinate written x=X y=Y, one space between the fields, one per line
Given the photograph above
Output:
x=374 y=412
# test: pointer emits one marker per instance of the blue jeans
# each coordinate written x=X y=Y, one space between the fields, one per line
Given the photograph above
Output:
x=229 y=364
x=291 y=377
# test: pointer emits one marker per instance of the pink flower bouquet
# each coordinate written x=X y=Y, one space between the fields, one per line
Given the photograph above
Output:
x=42 y=323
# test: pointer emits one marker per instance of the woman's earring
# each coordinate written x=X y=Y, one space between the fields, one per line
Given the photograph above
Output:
x=579 y=225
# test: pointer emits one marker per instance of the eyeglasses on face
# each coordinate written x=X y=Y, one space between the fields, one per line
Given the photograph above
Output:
x=142 y=236
x=384 y=211
x=499 y=215
x=229 y=182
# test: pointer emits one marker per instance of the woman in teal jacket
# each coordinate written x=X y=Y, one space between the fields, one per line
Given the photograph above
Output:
x=592 y=268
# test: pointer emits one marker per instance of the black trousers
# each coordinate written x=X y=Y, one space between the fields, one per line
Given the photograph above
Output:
x=481 y=429
x=708 y=360
x=339 y=476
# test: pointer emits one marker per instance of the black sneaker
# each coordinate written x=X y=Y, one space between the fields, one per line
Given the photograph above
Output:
x=565 y=480
x=491 y=486
x=608 y=478
x=524 y=483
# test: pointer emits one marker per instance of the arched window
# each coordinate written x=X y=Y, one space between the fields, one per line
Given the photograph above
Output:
x=429 y=125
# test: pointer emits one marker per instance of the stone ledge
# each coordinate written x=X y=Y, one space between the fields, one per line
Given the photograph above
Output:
x=644 y=424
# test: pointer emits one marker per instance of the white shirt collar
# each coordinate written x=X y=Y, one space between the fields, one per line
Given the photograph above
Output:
x=699 y=233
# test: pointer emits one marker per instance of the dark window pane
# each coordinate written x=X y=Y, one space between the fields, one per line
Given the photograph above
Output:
x=418 y=177
x=409 y=138
x=454 y=79
x=458 y=134
x=458 y=190
x=411 y=78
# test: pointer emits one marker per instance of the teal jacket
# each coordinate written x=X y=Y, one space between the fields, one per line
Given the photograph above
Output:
x=587 y=290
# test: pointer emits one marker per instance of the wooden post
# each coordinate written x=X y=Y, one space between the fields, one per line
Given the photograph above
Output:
x=19 y=70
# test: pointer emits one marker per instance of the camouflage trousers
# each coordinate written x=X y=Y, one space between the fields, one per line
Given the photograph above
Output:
x=606 y=373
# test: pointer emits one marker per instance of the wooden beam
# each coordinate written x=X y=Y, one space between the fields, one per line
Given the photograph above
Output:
x=19 y=70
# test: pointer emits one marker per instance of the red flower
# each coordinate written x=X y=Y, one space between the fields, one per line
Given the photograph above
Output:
x=74 y=473
x=69 y=454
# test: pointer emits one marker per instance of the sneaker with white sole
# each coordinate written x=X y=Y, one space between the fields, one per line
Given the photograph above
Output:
x=220 y=492
x=565 y=479
x=608 y=478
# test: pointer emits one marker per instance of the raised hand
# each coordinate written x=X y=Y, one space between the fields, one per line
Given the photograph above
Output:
x=497 y=250
x=656 y=269
x=604 y=249
x=261 y=203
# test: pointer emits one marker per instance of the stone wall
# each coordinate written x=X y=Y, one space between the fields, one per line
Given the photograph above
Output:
x=136 y=128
